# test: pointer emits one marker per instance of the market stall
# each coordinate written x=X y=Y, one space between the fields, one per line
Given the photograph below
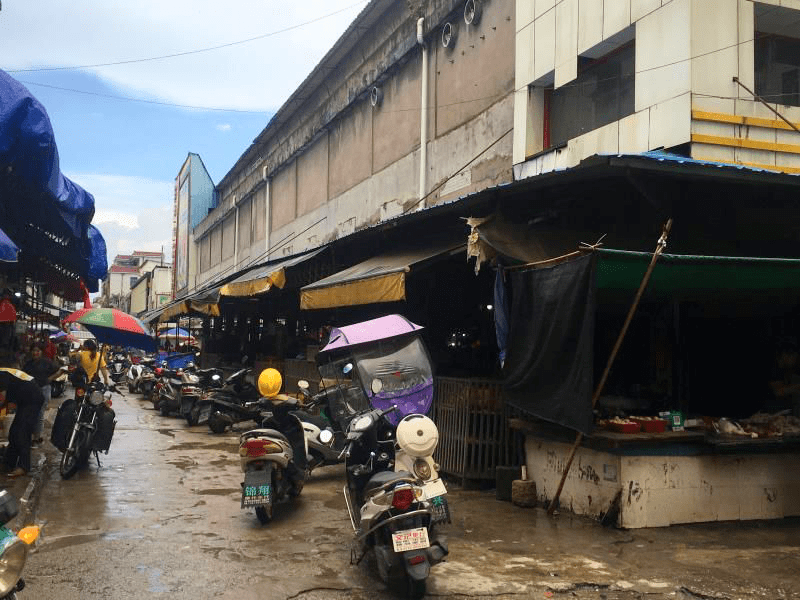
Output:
x=691 y=425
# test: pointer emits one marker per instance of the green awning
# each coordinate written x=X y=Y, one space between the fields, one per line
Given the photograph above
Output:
x=624 y=270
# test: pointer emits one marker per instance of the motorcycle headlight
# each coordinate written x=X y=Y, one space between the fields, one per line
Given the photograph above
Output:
x=422 y=469
x=325 y=436
x=363 y=423
x=13 y=552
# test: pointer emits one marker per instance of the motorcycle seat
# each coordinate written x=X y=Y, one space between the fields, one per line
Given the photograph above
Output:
x=273 y=433
x=382 y=478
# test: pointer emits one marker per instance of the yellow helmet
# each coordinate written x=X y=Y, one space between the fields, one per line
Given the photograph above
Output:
x=269 y=383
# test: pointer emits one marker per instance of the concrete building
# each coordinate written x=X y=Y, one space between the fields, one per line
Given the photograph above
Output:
x=152 y=290
x=412 y=106
x=636 y=75
x=123 y=274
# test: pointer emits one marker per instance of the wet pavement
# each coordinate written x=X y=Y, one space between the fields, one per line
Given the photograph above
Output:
x=161 y=518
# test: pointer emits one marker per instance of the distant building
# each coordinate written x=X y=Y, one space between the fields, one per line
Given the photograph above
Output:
x=125 y=273
x=152 y=290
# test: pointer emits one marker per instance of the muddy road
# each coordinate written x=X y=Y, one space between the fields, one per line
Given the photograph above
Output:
x=161 y=518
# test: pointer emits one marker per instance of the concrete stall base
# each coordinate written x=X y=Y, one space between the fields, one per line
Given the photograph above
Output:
x=660 y=489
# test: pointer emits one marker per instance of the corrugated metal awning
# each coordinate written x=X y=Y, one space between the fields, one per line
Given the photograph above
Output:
x=378 y=279
x=264 y=278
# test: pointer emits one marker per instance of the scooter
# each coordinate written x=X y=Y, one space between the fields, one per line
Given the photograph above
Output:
x=59 y=384
x=13 y=548
x=273 y=460
x=382 y=384
x=325 y=440
x=118 y=367
x=193 y=387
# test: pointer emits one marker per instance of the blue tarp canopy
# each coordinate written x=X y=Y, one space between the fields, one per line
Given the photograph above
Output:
x=8 y=249
x=46 y=214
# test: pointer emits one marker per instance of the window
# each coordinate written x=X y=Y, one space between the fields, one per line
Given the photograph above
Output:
x=133 y=281
x=777 y=54
x=602 y=93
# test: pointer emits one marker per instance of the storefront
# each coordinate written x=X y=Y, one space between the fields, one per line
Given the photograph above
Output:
x=703 y=348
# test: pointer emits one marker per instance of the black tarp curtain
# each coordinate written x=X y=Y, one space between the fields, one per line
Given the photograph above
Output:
x=549 y=364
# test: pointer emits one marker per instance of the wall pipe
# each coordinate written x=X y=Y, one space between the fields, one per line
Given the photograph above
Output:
x=423 y=138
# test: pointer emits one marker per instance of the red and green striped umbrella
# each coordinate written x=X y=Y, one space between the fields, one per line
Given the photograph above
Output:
x=114 y=327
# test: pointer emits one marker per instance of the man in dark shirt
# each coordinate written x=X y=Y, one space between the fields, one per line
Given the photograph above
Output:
x=21 y=389
x=43 y=370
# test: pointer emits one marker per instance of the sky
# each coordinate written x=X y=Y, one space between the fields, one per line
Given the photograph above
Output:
x=123 y=131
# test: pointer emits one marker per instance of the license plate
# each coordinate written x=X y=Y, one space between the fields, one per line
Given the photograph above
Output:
x=256 y=489
x=204 y=414
x=410 y=539
x=434 y=488
x=255 y=495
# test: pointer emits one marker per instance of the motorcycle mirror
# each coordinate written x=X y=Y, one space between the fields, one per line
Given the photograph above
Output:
x=325 y=436
x=302 y=384
x=347 y=368
x=377 y=386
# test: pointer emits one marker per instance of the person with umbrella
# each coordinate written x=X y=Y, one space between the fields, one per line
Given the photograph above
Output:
x=21 y=389
x=92 y=361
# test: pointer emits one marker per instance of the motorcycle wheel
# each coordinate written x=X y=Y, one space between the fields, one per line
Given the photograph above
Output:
x=416 y=589
x=131 y=389
x=154 y=398
x=215 y=424
x=194 y=416
x=163 y=406
x=73 y=457
x=264 y=513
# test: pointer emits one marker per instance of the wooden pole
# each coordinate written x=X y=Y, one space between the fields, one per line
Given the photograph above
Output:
x=662 y=243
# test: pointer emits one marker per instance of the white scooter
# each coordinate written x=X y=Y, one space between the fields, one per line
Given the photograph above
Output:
x=273 y=460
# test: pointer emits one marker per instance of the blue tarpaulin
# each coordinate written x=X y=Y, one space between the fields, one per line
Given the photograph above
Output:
x=8 y=249
x=47 y=214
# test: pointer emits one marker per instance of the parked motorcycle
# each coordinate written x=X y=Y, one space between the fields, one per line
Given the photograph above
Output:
x=379 y=385
x=231 y=403
x=118 y=367
x=13 y=548
x=194 y=387
x=325 y=439
x=84 y=425
x=169 y=389
x=273 y=457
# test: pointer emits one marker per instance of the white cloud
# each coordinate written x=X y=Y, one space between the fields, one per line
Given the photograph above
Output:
x=224 y=127
x=132 y=213
x=259 y=75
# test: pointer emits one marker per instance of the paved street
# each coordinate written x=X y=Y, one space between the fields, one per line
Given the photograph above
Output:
x=161 y=518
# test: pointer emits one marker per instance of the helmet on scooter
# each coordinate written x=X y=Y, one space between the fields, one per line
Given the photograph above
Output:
x=269 y=383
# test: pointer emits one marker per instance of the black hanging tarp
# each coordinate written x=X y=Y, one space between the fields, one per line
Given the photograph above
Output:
x=549 y=363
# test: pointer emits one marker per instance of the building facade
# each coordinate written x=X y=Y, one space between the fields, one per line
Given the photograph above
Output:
x=630 y=76
x=124 y=274
x=412 y=107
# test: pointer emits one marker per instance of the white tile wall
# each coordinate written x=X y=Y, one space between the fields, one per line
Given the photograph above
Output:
x=634 y=132
x=616 y=17
x=746 y=47
x=566 y=52
x=640 y=8
x=662 y=53
x=524 y=14
x=520 y=124
x=544 y=44
x=590 y=24
x=524 y=56
x=670 y=122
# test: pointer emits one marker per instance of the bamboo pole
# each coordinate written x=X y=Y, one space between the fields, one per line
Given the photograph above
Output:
x=662 y=243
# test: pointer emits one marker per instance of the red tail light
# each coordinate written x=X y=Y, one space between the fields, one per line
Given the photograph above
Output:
x=403 y=498
x=415 y=560
x=256 y=448
x=157 y=370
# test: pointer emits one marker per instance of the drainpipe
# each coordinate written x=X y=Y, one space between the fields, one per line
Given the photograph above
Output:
x=423 y=137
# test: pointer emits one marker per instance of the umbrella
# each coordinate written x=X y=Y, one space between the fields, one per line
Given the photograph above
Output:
x=112 y=326
x=174 y=332
x=62 y=336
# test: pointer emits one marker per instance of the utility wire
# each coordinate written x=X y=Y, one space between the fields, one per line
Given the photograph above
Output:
x=190 y=52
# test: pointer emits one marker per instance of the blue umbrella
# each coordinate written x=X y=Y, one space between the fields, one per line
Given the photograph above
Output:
x=175 y=332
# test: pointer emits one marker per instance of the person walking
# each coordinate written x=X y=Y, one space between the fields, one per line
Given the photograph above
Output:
x=44 y=371
x=21 y=389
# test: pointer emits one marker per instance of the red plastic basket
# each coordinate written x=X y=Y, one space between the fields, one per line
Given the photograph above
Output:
x=651 y=425
x=624 y=427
